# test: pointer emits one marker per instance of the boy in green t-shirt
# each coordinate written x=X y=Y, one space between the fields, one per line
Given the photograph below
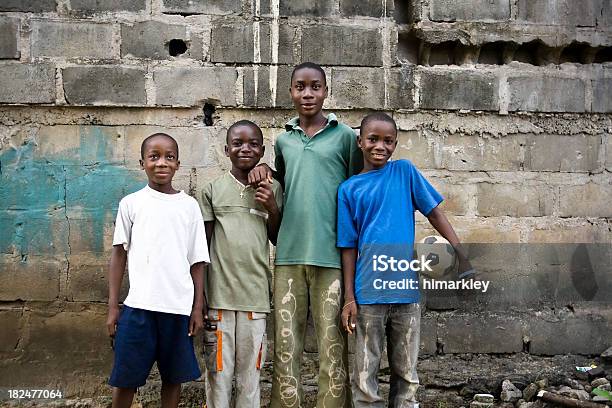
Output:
x=313 y=156
x=239 y=220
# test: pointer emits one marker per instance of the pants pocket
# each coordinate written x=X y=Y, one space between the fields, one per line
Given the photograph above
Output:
x=213 y=342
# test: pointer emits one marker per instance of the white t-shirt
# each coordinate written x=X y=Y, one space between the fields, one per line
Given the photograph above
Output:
x=163 y=235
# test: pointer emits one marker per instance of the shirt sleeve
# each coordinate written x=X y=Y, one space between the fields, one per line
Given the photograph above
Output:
x=347 y=230
x=123 y=226
x=278 y=194
x=197 y=247
x=355 y=162
x=206 y=203
x=424 y=196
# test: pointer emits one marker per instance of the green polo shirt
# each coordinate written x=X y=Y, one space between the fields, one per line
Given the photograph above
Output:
x=237 y=278
x=312 y=169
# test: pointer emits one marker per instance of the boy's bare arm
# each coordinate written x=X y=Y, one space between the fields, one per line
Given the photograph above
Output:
x=209 y=228
x=115 y=277
x=265 y=196
x=439 y=221
x=196 y=321
x=349 y=309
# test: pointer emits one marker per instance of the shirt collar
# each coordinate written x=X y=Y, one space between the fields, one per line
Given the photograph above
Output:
x=295 y=122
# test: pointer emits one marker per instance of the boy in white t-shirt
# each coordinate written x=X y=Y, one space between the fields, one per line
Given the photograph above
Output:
x=160 y=232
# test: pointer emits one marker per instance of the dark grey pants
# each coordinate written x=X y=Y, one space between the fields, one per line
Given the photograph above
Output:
x=400 y=324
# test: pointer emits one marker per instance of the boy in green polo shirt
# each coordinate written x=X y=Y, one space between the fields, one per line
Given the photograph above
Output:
x=239 y=220
x=313 y=156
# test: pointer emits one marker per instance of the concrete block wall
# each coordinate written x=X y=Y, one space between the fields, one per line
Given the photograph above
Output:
x=504 y=105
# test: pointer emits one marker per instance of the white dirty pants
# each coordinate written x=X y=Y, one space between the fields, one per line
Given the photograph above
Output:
x=235 y=350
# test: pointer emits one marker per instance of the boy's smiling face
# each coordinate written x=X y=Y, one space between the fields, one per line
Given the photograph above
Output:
x=308 y=91
x=160 y=161
x=244 y=147
x=377 y=141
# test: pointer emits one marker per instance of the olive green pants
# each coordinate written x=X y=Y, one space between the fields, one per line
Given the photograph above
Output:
x=295 y=287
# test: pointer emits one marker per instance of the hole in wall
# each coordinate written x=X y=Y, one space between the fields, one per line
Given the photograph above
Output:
x=408 y=47
x=527 y=53
x=177 y=47
x=603 y=55
x=209 y=110
x=492 y=53
x=575 y=52
x=442 y=53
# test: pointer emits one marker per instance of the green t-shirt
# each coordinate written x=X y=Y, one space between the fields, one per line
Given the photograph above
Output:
x=238 y=275
x=312 y=169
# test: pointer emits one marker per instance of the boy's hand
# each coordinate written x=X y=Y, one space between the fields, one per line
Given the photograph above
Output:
x=265 y=196
x=196 y=322
x=259 y=173
x=111 y=320
x=349 y=316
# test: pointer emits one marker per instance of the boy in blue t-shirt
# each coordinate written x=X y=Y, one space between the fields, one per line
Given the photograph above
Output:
x=375 y=223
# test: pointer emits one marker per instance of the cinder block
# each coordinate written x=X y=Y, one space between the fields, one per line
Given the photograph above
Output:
x=604 y=19
x=97 y=6
x=589 y=200
x=104 y=85
x=9 y=32
x=370 y=8
x=27 y=83
x=345 y=41
x=299 y=8
x=583 y=334
x=150 y=39
x=469 y=10
x=474 y=153
x=80 y=145
x=418 y=147
x=456 y=196
x=9 y=337
x=575 y=153
x=256 y=87
x=458 y=90
x=73 y=40
x=545 y=93
x=219 y=7
x=194 y=143
x=514 y=200
x=88 y=278
x=560 y=12
x=358 y=87
x=36 y=278
x=602 y=94
x=400 y=85
x=474 y=333
x=32 y=6
x=608 y=143
x=235 y=42
x=193 y=86
x=429 y=333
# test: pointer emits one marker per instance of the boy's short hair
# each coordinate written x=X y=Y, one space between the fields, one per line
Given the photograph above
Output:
x=244 y=122
x=310 y=65
x=144 y=143
x=380 y=116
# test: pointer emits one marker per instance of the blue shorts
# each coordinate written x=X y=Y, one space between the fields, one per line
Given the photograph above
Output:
x=144 y=337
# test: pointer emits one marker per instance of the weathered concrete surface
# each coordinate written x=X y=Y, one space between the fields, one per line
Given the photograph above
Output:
x=201 y=6
x=27 y=83
x=96 y=6
x=546 y=94
x=462 y=10
x=104 y=85
x=9 y=32
x=458 y=90
x=73 y=40
x=346 y=40
x=33 y=6
x=191 y=86
x=150 y=39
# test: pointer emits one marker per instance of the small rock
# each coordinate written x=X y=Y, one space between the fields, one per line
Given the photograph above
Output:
x=596 y=372
x=530 y=391
x=575 y=394
x=535 y=404
x=605 y=387
x=543 y=383
x=599 y=382
x=476 y=404
x=509 y=392
x=607 y=354
x=488 y=398
x=573 y=383
x=588 y=388
x=598 y=398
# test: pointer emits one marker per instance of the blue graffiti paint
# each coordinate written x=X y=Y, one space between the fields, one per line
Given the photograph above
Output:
x=72 y=193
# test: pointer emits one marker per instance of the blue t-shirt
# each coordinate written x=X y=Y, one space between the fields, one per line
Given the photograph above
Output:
x=376 y=216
